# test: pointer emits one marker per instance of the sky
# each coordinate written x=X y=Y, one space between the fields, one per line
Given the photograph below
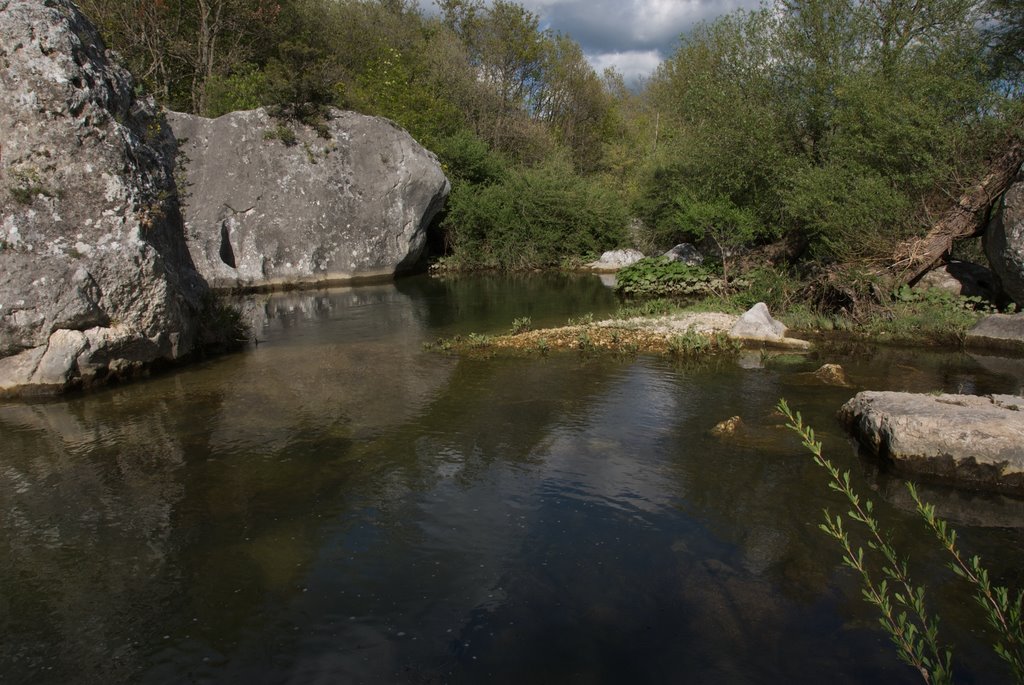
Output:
x=633 y=36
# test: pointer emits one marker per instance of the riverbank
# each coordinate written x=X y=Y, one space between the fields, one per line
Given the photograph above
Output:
x=685 y=333
x=679 y=334
x=661 y=326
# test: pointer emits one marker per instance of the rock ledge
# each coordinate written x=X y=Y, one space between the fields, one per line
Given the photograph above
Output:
x=966 y=440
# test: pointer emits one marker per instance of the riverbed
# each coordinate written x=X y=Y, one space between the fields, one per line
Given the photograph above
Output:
x=339 y=504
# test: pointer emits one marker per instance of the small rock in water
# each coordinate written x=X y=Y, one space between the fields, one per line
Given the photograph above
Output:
x=832 y=374
x=728 y=427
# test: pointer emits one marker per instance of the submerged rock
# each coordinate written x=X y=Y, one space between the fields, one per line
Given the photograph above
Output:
x=269 y=204
x=964 y=439
x=730 y=426
x=832 y=374
x=95 y=277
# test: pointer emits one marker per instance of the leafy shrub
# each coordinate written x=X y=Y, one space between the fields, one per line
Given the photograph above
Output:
x=847 y=210
x=282 y=132
x=302 y=82
x=244 y=89
x=775 y=287
x=466 y=157
x=532 y=218
x=663 y=277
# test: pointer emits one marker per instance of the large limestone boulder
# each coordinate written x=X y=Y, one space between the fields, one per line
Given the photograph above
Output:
x=965 y=439
x=263 y=210
x=95 y=277
x=1004 y=242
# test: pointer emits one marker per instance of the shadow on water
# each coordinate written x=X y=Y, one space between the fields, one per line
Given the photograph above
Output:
x=338 y=505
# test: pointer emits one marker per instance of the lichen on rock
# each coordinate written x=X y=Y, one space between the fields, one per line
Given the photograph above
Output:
x=93 y=263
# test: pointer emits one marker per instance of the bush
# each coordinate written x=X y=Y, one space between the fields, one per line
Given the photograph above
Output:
x=847 y=211
x=532 y=218
x=244 y=89
x=465 y=157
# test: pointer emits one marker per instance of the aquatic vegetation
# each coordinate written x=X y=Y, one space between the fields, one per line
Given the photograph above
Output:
x=904 y=615
x=521 y=325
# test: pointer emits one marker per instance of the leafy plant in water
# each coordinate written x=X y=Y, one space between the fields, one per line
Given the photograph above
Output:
x=585 y=343
x=222 y=325
x=521 y=325
x=692 y=343
x=904 y=616
x=688 y=343
x=582 y=320
x=1002 y=612
x=479 y=340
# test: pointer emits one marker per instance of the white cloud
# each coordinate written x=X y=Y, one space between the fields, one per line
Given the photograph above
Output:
x=632 y=64
x=628 y=34
x=632 y=35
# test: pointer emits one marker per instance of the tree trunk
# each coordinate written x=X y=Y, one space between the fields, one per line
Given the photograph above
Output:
x=913 y=258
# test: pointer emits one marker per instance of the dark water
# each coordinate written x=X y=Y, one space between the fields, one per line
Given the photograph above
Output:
x=338 y=505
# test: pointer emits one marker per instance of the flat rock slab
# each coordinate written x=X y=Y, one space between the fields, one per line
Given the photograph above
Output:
x=998 y=332
x=966 y=440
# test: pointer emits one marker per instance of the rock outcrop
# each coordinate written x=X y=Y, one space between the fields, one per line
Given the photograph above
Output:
x=273 y=205
x=685 y=253
x=964 y=439
x=961 y=278
x=95 y=277
x=1004 y=242
x=613 y=260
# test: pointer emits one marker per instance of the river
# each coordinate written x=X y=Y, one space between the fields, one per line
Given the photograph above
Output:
x=340 y=505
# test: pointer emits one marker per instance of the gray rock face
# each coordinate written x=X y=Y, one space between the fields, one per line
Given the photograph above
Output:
x=1004 y=242
x=757 y=325
x=961 y=278
x=998 y=332
x=95 y=277
x=613 y=260
x=965 y=439
x=685 y=253
x=260 y=213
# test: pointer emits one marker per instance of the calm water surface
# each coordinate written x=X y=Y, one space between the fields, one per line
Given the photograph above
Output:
x=337 y=505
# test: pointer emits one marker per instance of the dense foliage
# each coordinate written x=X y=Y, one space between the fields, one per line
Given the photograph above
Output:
x=843 y=124
x=661 y=277
x=842 y=121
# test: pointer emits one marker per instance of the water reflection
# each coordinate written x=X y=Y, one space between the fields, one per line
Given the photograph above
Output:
x=339 y=505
